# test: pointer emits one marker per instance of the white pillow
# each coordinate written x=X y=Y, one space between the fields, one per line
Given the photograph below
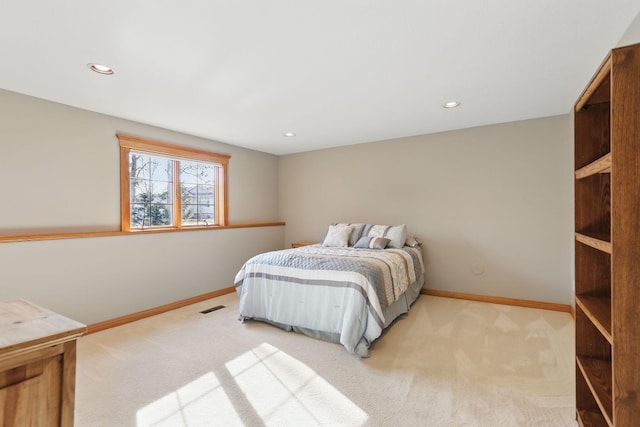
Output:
x=338 y=236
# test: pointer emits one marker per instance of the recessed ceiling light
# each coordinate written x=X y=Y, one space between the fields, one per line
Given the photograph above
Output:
x=289 y=134
x=100 y=69
x=451 y=104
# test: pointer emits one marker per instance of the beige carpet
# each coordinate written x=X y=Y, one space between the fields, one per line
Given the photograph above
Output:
x=448 y=363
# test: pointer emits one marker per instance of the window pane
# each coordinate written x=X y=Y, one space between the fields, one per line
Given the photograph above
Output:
x=198 y=215
x=206 y=174
x=189 y=214
x=161 y=192
x=151 y=195
x=206 y=213
x=160 y=214
x=139 y=190
x=189 y=194
x=139 y=166
x=161 y=169
x=139 y=215
x=198 y=192
x=205 y=195
x=188 y=172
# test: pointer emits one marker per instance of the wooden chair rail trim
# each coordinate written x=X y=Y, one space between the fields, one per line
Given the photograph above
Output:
x=122 y=320
x=78 y=235
x=501 y=300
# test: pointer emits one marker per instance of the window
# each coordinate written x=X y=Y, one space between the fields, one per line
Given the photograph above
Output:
x=168 y=186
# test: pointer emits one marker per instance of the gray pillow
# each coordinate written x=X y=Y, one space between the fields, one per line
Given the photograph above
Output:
x=367 y=242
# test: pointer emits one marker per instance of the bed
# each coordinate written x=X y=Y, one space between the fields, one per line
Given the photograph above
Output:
x=346 y=289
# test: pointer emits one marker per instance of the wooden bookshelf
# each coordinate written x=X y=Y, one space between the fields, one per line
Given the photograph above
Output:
x=607 y=243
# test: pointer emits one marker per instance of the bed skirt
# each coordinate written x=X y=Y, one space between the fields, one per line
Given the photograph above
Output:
x=399 y=307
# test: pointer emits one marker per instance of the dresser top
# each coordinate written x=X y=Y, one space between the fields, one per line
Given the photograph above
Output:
x=24 y=325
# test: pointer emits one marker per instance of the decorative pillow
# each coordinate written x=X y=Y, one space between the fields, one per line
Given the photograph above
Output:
x=412 y=241
x=363 y=242
x=397 y=234
x=355 y=234
x=368 y=242
x=338 y=236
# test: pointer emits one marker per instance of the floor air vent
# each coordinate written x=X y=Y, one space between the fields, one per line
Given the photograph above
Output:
x=209 y=310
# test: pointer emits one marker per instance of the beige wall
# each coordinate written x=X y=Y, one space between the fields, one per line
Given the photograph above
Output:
x=59 y=171
x=497 y=199
x=632 y=35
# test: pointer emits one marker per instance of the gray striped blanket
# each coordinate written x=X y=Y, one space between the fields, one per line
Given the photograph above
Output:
x=337 y=292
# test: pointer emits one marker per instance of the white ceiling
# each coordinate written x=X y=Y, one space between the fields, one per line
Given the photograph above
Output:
x=335 y=72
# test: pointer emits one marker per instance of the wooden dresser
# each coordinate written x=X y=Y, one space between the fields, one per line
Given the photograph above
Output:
x=37 y=365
